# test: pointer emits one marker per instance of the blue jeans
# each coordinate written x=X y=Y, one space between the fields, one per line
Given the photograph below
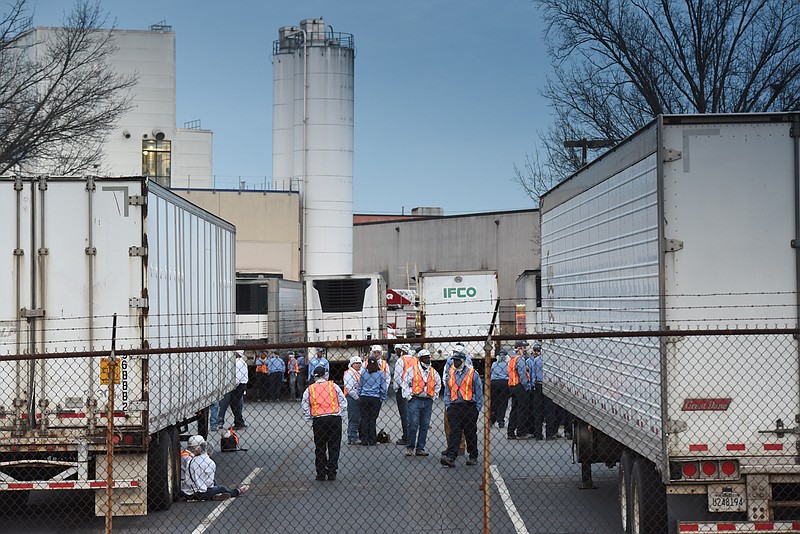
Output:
x=419 y=419
x=213 y=416
x=353 y=418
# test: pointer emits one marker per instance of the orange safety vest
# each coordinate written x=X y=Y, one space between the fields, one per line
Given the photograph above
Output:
x=357 y=375
x=186 y=454
x=418 y=385
x=383 y=366
x=408 y=363
x=296 y=368
x=323 y=399
x=466 y=385
x=513 y=375
x=261 y=368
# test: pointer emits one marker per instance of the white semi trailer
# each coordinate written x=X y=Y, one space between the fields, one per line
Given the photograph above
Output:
x=691 y=223
x=347 y=307
x=77 y=252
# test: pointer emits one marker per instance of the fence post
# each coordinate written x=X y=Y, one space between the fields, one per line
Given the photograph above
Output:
x=112 y=369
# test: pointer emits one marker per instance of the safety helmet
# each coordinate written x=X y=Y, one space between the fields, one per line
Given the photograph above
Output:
x=458 y=355
x=376 y=348
x=520 y=344
x=196 y=441
x=423 y=352
x=536 y=347
x=405 y=347
x=355 y=359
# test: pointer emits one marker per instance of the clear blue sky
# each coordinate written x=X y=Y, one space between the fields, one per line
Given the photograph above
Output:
x=446 y=91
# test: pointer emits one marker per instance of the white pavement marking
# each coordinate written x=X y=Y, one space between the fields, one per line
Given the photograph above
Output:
x=511 y=510
x=216 y=512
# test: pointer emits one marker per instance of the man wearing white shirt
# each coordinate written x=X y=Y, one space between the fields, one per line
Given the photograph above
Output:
x=235 y=399
x=421 y=384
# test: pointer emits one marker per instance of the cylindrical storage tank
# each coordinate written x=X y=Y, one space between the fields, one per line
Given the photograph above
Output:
x=322 y=119
x=283 y=97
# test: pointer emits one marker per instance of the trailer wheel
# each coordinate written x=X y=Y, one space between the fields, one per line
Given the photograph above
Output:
x=648 y=504
x=175 y=435
x=13 y=502
x=624 y=489
x=160 y=472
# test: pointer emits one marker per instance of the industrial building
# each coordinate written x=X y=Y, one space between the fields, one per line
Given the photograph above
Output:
x=400 y=247
x=146 y=140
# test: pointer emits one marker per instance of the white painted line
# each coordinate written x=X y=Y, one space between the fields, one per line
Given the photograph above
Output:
x=511 y=510
x=216 y=512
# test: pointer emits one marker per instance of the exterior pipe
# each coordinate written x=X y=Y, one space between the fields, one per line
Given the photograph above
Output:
x=41 y=259
x=91 y=403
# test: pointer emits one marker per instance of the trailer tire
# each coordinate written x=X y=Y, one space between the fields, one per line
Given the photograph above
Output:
x=13 y=502
x=624 y=489
x=648 y=502
x=176 y=463
x=160 y=472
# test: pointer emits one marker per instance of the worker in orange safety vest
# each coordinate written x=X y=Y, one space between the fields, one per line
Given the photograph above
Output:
x=463 y=399
x=325 y=405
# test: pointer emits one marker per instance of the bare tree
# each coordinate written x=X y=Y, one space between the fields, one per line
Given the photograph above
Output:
x=59 y=95
x=619 y=63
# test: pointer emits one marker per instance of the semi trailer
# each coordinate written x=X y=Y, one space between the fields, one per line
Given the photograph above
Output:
x=690 y=225
x=78 y=253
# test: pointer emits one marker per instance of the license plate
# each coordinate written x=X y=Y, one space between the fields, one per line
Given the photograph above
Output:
x=726 y=498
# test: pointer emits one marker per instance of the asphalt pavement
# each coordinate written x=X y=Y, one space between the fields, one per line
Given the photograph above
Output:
x=378 y=489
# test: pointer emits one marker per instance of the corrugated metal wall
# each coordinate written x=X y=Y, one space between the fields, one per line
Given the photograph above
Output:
x=507 y=242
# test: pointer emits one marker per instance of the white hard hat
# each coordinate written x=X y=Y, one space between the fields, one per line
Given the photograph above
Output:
x=423 y=352
x=239 y=353
x=405 y=347
x=376 y=348
x=196 y=441
x=355 y=359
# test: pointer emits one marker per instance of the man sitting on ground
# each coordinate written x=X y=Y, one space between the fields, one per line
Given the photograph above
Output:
x=197 y=475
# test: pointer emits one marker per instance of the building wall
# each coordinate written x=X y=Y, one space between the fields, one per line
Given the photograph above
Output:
x=506 y=241
x=267 y=227
x=191 y=158
x=149 y=55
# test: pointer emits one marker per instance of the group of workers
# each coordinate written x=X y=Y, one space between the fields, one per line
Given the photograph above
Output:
x=519 y=377
x=416 y=385
x=271 y=371
x=516 y=375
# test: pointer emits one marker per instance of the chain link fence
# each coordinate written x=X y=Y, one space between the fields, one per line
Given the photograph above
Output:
x=604 y=432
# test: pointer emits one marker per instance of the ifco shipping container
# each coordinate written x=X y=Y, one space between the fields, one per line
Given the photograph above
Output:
x=77 y=252
x=456 y=303
x=689 y=224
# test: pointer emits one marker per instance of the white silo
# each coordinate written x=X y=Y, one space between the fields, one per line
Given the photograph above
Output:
x=312 y=143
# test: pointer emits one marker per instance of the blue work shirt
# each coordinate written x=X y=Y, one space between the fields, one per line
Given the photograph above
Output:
x=372 y=384
x=536 y=374
x=477 y=387
x=524 y=373
x=500 y=370
x=275 y=365
x=315 y=362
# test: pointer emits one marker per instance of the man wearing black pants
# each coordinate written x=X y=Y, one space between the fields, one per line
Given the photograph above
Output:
x=325 y=405
x=519 y=384
x=463 y=398
x=404 y=362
